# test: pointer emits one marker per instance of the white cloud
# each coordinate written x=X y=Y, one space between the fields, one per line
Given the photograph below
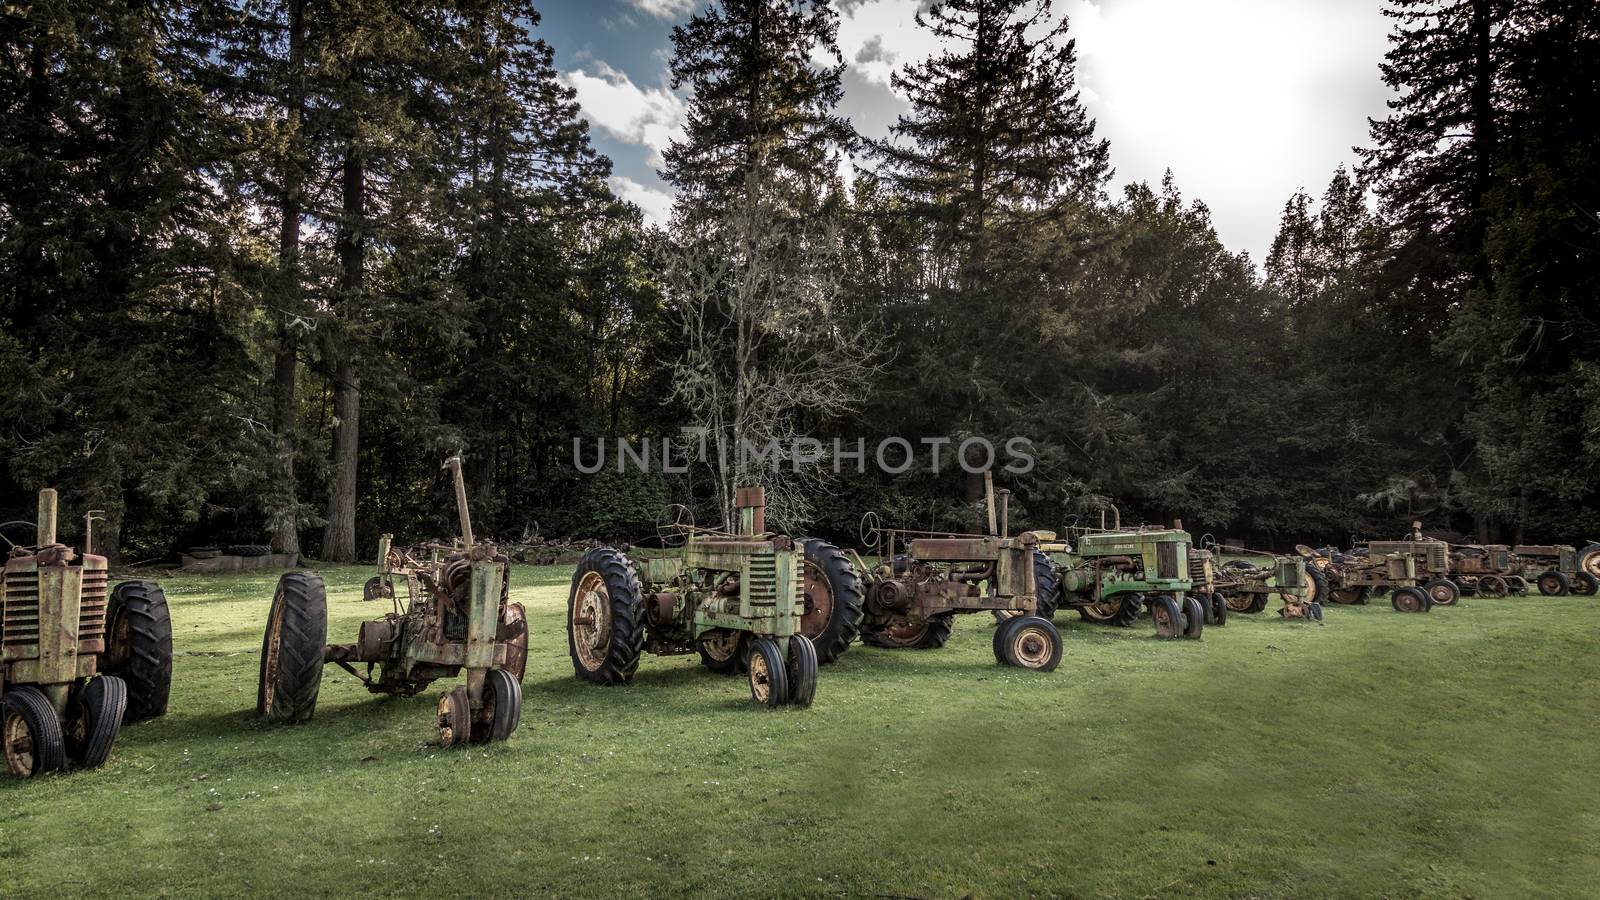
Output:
x=613 y=103
x=655 y=203
x=664 y=9
x=877 y=36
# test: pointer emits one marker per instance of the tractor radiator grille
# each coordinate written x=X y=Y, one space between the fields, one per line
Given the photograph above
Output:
x=21 y=615
x=1569 y=559
x=1438 y=557
x=764 y=579
x=92 y=607
x=1167 y=560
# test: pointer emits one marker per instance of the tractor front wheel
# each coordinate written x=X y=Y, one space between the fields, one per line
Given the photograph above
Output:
x=833 y=610
x=1410 y=600
x=1166 y=614
x=801 y=671
x=1029 y=642
x=1218 y=608
x=1554 y=584
x=605 y=618
x=1443 y=592
x=1194 y=618
x=139 y=646
x=502 y=708
x=97 y=709
x=292 y=650
x=30 y=733
x=769 y=674
x=1584 y=584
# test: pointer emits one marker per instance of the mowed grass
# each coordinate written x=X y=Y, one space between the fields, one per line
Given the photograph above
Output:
x=1447 y=754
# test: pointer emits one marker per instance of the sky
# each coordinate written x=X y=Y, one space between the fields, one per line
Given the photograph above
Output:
x=1246 y=101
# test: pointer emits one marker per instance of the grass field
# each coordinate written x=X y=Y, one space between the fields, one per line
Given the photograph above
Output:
x=1447 y=754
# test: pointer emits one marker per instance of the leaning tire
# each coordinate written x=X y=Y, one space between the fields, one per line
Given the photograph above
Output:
x=98 y=710
x=1031 y=642
x=605 y=618
x=834 y=598
x=1554 y=584
x=139 y=647
x=31 y=734
x=292 y=649
x=1046 y=586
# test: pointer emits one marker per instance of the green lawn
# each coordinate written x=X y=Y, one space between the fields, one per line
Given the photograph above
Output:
x=1447 y=754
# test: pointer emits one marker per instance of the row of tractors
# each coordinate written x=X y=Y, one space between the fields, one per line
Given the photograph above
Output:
x=80 y=660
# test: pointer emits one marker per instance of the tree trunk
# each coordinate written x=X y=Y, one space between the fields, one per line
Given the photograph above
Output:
x=285 y=527
x=339 y=537
x=1483 y=138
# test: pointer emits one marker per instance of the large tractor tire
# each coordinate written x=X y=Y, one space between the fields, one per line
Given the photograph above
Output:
x=1554 y=584
x=1028 y=642
x=903 y=634
x=1046 y=586
x=139 y=647
x=292 y=649
x=30 y=733
x=1589 y=561
x=832 y=615
x=605 y=618
x=97 y=713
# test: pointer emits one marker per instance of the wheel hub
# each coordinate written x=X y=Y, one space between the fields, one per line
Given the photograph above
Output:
x=760 y=678
x=819 y=601
x=18 y=746
x=1031 y=647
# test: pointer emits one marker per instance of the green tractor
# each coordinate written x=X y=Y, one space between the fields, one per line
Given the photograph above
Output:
x=926 y=579
x=1113 y=574
x=1246 y=584
x=76 y=660
x=743 y=601
x=456 y=617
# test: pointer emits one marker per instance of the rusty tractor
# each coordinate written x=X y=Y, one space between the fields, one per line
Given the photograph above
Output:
x=76 y=661
x=1486 y=570
x=926 y=579
x=456 y=617
x=739 y=600
x=1246 y=585
x=1408 y=570
x=1114 y=573
x=1554 y=569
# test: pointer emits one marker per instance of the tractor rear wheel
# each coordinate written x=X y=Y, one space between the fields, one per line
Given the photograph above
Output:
x=1589 y=561
x=97 y=713
x=1442 y=591
x=769 y=674
x=292 y=650
x=832 y=614
x=1030 y=642
x=139 y=647
x=502 y=712
x=802 y=670
x=1584 y=584
x=1046 y=586
x=1492 y=586
x=903 y=634
x=605 y=618
x=513 y=632
x=1194 y=618
x=1121 y=610
x=1410 y=600
x=722 y=650
x=1554 y=584
x=30 y=733
x=1167 y=616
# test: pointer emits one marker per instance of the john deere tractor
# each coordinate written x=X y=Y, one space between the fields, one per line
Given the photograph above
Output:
x=1238 y=577
x=456 y=618
x=926 y=579
x=739 y=600
x=1113 y=574
x=1410 y=571
x=76 y=661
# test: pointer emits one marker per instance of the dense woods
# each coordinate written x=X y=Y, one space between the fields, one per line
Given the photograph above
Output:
x=263 y=265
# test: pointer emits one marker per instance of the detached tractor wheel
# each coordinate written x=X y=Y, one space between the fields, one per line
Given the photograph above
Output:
x=30 y=733
x=834 y=598
x=1030 y=642
x=605 y=618
x=1410 y=600
x=801 y=671
x=722 y=650
x=904 y=634
x=513 y=632
x=1584 y=584
x=1554 y=584
x=502 y=708
x=455 y=718
x=1493 y=586
x=1166 y=614
x=1443 y=592
x=1218 y=607
x=1046 y=586
x=769 y=673
x=291 y=651
x=97 y=713
x=139 y=647
x=1194 y=618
